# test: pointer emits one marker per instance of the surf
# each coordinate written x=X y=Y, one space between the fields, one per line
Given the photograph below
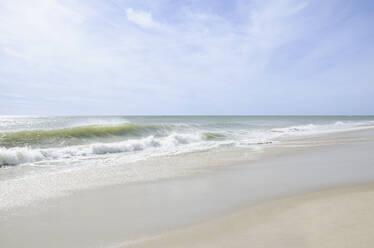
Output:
x=72 y=144
x=69 y=136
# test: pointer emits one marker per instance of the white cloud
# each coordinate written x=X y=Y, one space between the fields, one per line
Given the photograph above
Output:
x=199 y=60
x=141 y=18
x=14 y=53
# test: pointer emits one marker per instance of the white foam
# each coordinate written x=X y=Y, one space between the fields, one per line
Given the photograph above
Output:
x=125 y=146
x=321 y=128
x=19 y=155
x=132 y=145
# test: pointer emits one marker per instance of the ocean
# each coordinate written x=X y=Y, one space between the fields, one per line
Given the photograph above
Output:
x=43 y=157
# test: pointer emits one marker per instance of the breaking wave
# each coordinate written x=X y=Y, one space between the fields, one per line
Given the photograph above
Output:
x=14 y=156
x=20 y=147
x=73 y=135
x=20 y=155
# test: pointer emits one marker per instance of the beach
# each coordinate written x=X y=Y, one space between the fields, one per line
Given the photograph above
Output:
x=338 y=217
x=309 y=190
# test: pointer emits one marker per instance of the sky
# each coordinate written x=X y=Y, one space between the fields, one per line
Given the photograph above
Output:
x=174 y=57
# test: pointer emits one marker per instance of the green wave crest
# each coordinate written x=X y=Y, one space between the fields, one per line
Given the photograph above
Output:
x=40 y=137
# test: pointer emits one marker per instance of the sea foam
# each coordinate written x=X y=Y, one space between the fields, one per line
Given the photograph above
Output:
x=19 y=155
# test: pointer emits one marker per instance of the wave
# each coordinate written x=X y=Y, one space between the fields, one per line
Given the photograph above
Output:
x=17 y=147
x=322 y=128
x=15 y=156
x=132 y=145
x=68 y=136
x=21 y=155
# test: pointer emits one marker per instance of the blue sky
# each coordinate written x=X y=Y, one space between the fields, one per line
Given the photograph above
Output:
x=73 y=57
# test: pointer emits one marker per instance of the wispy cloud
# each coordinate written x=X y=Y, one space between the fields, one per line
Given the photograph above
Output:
x=141 y=18
x=14 y=53
x=168 y=57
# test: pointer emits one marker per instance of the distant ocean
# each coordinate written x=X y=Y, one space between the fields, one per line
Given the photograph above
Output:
x=45 y=156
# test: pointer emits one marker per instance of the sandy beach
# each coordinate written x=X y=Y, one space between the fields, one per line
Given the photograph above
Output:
x=311 y=192
x=339 y=217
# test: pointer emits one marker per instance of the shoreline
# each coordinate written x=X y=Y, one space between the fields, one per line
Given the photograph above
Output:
x=335 y=217
x=110 y=215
